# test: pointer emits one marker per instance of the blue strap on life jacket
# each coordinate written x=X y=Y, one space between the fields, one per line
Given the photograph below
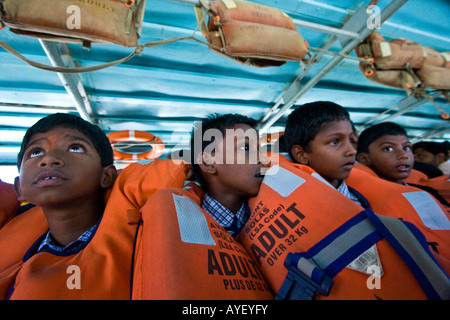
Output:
x=328 y=257
x=413 y=248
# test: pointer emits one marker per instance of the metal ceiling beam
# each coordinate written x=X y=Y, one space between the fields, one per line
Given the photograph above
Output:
x=406 y=108
x=326 y=29
x=434 y=133
x=71 y=82
x=296 y=90
x=407 y=104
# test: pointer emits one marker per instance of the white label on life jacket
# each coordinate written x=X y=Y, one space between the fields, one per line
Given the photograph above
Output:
x=446 y=56
x=282 y=181
x=193 y=225
x=230 y=4
x=429 y=211
x=366 y=260
x=385 y=49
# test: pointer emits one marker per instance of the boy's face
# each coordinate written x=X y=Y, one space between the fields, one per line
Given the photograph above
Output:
x=238 y=164
x=422 y=155
x=60 y=166
x=331 y=152
x=391 y=157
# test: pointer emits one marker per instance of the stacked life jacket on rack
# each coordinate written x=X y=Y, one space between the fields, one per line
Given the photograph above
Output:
x=183 y=253
x=402 y=63
x=100 y=21
x=295 y=213
x=103 y=265
x=409 y=204
x=251 y=33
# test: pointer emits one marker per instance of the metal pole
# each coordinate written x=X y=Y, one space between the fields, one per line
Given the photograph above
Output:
x=385 y=14
x=72 y=83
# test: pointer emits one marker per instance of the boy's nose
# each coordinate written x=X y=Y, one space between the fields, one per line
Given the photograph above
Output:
x=51 y=159
x=402 y=154
x=350 y=150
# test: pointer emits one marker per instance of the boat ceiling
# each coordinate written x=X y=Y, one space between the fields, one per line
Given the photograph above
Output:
x=169 y=87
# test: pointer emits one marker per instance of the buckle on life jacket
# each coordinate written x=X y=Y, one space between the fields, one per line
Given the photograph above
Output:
x=300 y=286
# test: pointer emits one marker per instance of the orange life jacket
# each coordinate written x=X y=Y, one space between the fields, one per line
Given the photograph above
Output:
x=251 y=33
x=441 y=184
x=102 y=269
x=295 y=213
x=9 y=203
x=408 y=203
x=183 y=253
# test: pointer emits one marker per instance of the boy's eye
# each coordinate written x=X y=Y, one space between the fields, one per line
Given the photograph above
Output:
x=388 y=149
x=334 y=141
x=76 y=148
x=35 y=153
x=407 y=148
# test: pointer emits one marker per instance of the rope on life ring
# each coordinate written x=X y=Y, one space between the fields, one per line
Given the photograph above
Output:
x=130 y=138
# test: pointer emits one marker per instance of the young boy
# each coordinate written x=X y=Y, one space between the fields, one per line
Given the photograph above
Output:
x=73 y=245
x=50 y=251
x=228 y=168
x=321 y=135
x=65 y=165
x=203 y=221
x=385 y=148
x=434 y=154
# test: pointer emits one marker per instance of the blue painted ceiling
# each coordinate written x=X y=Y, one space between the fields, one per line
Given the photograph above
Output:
x=168 y=87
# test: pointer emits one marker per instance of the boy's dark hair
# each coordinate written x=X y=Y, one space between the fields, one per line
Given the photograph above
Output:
x=91 y=131
x=432 y=147
x=305 y=122
x=372 y=133
x=213 y=121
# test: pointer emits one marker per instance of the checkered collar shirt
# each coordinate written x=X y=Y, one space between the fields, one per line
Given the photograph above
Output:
x=344 y=190
x=49 y=243
x=222 y=215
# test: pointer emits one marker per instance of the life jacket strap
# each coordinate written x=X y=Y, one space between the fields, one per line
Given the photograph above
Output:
x=412 y=247
x=300 y=286
x=327 y=258
x=310 y=273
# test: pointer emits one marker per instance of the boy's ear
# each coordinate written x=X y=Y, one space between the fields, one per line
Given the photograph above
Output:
x=299 y=154
x=18 y=190
x=363 y=158
x=440 y=157
x=206 y=163
x=109 y=176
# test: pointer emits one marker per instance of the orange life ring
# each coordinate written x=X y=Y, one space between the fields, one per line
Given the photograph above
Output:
x=270 y=138
x=138 y=137
x=270 y=147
